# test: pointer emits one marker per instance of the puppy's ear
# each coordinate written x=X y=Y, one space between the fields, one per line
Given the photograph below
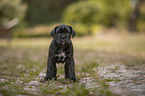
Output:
x=72 y=32
x=53 y=32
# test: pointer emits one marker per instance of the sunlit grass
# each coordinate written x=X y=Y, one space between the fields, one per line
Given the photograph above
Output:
x=111 y=43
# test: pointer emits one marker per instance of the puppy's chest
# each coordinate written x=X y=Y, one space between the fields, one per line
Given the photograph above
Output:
x=60 y=56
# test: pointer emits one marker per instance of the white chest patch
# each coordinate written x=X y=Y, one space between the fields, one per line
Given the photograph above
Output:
x=61 y=55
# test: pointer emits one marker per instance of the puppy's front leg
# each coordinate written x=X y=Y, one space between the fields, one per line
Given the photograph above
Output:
x=69 y=69
x=50 y=67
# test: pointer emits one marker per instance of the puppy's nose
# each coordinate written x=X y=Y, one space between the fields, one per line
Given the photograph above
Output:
x=63 y=37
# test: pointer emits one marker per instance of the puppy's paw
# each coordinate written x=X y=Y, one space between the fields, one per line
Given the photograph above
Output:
x=46 y=78
x=42 y=81
x=73 y=79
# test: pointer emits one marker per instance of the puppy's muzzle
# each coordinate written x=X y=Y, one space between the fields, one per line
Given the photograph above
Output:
x=63 y=37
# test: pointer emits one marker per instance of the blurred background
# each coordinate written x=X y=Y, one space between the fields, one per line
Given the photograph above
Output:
x=35 y=18
x=109 y=33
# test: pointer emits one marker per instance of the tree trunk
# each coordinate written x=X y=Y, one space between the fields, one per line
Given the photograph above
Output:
x=134 y=15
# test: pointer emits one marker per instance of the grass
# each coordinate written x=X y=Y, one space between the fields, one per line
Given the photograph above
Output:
x=21 y=61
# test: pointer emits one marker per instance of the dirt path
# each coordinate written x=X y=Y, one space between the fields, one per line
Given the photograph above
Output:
x=123 y=80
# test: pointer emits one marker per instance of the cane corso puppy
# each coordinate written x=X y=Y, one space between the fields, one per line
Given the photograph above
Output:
x=61 y=51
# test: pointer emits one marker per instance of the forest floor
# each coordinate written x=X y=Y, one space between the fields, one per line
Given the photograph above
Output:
x=105 y=65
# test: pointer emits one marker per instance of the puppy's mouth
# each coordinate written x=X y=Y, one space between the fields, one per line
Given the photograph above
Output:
x=62 y=43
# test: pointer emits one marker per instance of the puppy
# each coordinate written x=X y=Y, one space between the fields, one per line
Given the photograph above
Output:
x=61 y=51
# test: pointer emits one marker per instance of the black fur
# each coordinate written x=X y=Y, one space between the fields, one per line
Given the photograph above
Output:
x=61 y=51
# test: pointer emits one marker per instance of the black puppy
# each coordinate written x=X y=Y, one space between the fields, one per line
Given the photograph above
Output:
x=61 y=51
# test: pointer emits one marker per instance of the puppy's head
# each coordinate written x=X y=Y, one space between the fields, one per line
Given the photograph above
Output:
x=62 y=34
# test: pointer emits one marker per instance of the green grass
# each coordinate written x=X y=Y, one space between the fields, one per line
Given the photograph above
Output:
x=112 y=79
x=21 y=61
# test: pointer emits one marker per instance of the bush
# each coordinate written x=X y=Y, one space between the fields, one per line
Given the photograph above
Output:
x=81 y=14
x=86 y=15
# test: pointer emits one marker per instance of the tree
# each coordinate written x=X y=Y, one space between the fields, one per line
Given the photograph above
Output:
x=45 y=11
x=134 y=14
x=10 y=10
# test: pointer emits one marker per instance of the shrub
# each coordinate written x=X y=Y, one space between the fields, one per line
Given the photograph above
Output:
x=85 y=15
